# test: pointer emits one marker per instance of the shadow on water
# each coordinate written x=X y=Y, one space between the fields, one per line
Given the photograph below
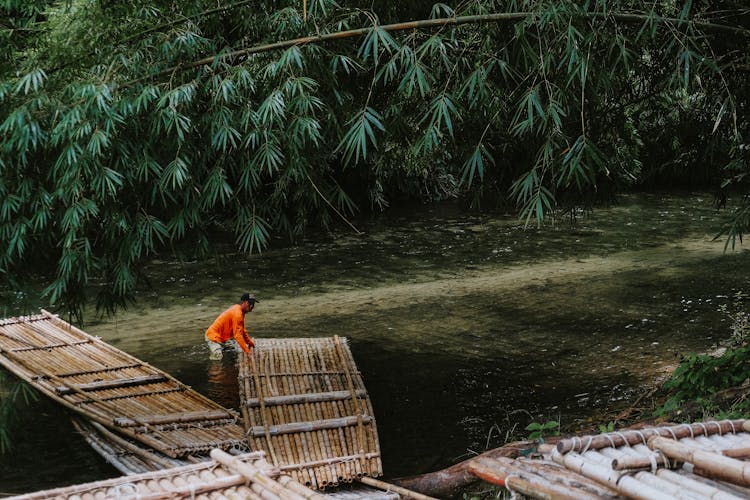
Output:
x=465 y=327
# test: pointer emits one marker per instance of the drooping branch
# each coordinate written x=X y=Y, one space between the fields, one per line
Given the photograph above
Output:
x=238 y=56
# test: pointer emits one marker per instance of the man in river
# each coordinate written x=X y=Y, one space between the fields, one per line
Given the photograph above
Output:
x=231 y=325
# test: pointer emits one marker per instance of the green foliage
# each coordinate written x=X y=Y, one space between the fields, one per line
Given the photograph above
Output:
x=710 y=381
x=540 y=431
x=609 y=427
x=132 y=128
x=11 y=392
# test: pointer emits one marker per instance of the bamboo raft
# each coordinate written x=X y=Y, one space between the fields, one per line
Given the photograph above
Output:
x=119 y=392
x=305 y=405
x=224 y=477
x=700 y=460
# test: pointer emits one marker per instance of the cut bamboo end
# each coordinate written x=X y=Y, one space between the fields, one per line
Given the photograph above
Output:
x=720 y=466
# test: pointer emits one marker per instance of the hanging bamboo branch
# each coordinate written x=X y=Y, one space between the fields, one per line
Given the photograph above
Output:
x=238 y=56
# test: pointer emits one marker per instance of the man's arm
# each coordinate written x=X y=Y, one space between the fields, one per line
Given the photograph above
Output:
x=242 y=338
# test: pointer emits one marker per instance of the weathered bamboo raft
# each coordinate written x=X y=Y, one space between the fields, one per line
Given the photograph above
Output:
x=120 y=392
x=223 y=477
x=699 y=460
x=305 y=405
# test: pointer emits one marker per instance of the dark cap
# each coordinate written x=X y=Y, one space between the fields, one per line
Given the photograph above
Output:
x=249 y=297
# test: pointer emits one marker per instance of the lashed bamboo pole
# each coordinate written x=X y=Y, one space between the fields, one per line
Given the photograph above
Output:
x=263 y=415
x=392 y=487
x=253 y=474
x=632 y=437
x=726 y=468
x=103 y=369
x=137 y=450
x=111 y=384
x=640 y=462
x=698 y=488
x=174 y=418
x=738 y=453
x=612 y=479
x=551 y=472
x=309 y=426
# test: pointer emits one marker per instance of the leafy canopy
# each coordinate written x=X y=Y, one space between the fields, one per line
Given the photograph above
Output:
x=131 y=127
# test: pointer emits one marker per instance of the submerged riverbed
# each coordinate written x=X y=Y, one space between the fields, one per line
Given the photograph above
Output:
x=465 y=327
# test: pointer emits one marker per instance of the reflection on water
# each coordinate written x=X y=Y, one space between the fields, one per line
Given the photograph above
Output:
x=465 y=327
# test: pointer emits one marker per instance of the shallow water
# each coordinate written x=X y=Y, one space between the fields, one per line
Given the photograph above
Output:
x=465 y=327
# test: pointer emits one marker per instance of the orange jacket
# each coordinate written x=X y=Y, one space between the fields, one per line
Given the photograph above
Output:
x=231 y=323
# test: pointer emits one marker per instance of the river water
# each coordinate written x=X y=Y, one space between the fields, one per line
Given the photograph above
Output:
x=465 y=327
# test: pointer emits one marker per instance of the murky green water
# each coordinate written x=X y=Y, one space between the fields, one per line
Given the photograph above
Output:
x=465 y=327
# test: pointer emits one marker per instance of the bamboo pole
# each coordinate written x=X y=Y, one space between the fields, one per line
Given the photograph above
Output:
x=699 y=488
x=728 y=469
x=551 y=472
x=527 y=482
x=174 y=418
x=640 y=462
x=262 y=409
x=110 y=384
x=103 y=369
x=624 y=484
x=144 y=454
x=253 y=474
x=392 y=487
x=738 y=453
x=632 y=437
x=310 y=426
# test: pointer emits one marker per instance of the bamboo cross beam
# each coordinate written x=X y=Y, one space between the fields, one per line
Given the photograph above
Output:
x=51 y=346
x=315 y=397
x=103 y=369
x=174 y=418
x=111 y=384
x=315 y=425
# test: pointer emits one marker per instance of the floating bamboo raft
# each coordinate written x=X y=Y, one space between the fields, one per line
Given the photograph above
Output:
x=699 y=460
x=305 y=405
x=116 y=390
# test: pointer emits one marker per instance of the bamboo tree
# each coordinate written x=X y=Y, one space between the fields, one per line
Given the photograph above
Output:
x=127 y=130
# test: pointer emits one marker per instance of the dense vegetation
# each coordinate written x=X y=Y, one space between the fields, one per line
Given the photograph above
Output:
x=131 y=127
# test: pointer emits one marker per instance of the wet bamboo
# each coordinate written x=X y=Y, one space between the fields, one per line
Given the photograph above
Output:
x=729 y=469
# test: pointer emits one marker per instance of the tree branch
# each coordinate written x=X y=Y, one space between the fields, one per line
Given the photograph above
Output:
x=431 y=23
